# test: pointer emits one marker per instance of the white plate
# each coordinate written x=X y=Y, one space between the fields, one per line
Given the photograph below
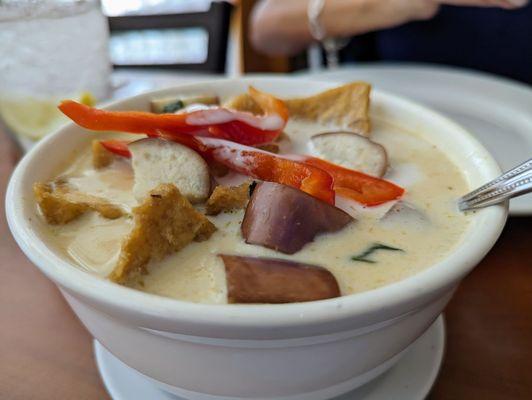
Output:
x=496 y=110
x=410 y=379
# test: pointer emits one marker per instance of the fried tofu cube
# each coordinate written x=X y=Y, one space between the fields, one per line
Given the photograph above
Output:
x=346 y=107
x=61 y=204
x=227 y=198
x=101 y=157
x=205 y=231
x=55 y=208
x=163 y=224
x=243 y=102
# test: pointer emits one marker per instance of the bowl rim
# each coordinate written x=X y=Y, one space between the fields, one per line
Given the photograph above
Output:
x=439 y=275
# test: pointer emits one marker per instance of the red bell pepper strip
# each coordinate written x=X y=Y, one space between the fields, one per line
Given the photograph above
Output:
x=252 y=162
x=237 y=126
x=270 y=167
x=302 y=172
x=117 y=147
x=365 y=189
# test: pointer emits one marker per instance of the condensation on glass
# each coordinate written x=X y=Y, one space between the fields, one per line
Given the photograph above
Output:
x=50 y=50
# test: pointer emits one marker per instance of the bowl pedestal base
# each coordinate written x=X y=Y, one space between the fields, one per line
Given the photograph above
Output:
x=411 y=377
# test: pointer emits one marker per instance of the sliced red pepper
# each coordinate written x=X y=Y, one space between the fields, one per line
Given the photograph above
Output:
x=365 y=189
x=252 y=162
x=117 y=147
x=309 y=174
x=262 y=165
x=219 y=122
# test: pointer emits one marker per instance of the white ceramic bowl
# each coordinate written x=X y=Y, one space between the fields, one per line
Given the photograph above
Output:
x=308 y=351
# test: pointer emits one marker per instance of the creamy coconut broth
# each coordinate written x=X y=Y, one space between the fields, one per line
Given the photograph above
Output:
x=196 y=272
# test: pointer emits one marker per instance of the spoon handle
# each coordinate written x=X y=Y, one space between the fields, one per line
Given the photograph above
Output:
x=516 y=182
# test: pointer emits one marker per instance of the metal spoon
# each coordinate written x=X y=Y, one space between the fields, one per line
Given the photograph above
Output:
x=516 y=182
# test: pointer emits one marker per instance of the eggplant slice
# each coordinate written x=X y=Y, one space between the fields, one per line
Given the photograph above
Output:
x=285 y=219
x=271 y=280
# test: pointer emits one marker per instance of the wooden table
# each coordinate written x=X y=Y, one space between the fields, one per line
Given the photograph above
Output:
x=45 y=353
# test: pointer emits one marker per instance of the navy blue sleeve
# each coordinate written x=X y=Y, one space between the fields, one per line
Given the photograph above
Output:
x=488 y=39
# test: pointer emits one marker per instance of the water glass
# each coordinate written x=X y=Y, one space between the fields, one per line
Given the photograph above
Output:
x=50 y=50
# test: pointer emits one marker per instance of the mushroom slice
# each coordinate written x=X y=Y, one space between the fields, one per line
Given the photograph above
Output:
x=272 y=280
x=351 y=151
x=157 y=161
x=284 y=219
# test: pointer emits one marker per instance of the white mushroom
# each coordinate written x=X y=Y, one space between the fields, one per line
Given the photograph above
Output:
x=351 y=151
x=157 y=161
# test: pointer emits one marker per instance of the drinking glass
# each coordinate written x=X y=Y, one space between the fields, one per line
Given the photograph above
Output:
x=50 y=50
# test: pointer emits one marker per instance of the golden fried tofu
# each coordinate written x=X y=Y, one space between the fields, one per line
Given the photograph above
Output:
x=346 y=106
x=61 y=204
x=164 y=223
x=243 y=102
x=225 y=198
x=101 y=157
x=205 y=231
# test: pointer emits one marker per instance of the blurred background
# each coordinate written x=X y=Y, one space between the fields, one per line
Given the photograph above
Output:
x=94 y=50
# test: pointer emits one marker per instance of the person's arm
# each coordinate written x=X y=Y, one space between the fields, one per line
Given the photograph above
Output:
x=281 y=26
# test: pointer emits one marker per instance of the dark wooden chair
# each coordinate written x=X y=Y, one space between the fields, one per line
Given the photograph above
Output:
x=215 y=21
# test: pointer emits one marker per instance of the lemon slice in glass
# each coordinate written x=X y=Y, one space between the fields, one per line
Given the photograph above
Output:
x=34 y=117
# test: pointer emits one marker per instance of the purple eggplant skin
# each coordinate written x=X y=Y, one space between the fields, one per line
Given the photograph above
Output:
x=273 y=281
x=285 y=219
